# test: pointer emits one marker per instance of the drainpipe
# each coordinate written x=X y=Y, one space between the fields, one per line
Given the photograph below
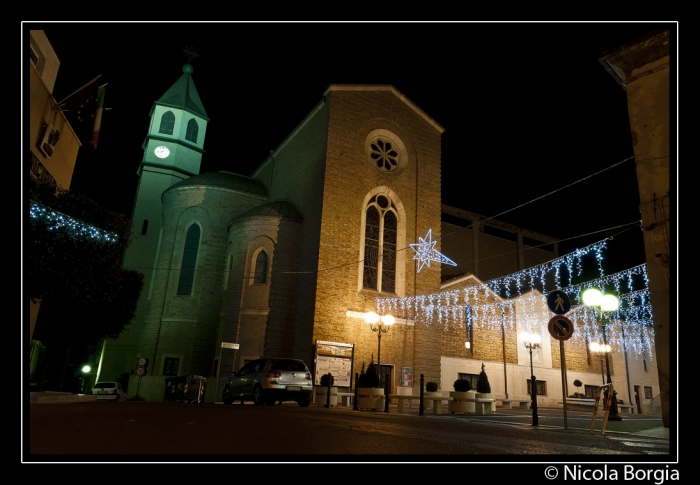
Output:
x=503 y=338
x=627 y=367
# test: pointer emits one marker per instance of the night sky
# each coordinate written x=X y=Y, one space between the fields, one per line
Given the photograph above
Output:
x=527 y=107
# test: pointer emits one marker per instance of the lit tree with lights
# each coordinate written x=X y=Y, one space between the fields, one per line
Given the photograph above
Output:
x=74 y=269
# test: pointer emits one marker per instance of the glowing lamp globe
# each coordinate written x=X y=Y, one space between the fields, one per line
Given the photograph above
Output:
x=388 y=319
x=609 y=303
x=591 y=297
x=371 y=317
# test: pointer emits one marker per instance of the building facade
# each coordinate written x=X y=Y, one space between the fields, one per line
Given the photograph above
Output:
x=642 y=68
x=53 y=145
x=303 y=249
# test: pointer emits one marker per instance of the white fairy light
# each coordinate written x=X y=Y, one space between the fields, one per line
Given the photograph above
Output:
x=55 y=221
x=448 y=307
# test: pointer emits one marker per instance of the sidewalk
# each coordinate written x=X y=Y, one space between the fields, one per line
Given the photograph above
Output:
x=650 y=426
x=638 y=424
x=51 y=397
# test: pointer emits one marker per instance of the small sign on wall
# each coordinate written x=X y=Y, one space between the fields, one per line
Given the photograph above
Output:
x=407 y=377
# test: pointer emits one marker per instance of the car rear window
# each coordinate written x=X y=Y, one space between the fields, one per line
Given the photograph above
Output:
x=288 y=365
x=105 y=385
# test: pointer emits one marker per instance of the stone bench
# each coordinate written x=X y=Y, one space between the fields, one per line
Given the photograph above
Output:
x=437 y=401
x=346 y=398
x=628 y=408
x=522 y=403
x=584 y=404
x=487 y=406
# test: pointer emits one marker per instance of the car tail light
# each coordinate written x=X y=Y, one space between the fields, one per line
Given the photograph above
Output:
x=114 y=391
x=308 y=376
x=273 y=374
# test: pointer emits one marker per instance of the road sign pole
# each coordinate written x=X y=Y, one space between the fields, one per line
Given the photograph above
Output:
x=224 y=345
x=564 y=386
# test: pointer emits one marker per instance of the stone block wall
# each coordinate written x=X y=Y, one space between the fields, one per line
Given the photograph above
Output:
x=351 y=178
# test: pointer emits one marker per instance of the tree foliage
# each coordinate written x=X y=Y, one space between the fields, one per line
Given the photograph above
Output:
x=370 y=378
x=482 y=385
x=462 y=385
x=71 y=269
x=85 y=294
x=81 y=276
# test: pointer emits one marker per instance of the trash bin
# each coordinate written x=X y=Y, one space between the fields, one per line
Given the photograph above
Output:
x=187 y=389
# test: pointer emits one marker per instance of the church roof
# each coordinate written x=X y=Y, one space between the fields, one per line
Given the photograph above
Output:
x=183 y=94
x=278 y=208
x=228 y=180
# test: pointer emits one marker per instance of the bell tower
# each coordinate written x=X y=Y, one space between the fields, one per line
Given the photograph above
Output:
x=173 y=150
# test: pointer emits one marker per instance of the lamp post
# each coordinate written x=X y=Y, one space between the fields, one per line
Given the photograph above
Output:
x=532 y=342
x=600 y=351
x=604 y=303
x=374 y=319
x=85 y=372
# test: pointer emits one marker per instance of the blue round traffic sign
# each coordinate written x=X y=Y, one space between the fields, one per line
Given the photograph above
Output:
x=559 y=302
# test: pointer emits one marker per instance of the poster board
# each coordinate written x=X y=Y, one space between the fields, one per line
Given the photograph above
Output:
x=336 y=358
x=407 y=377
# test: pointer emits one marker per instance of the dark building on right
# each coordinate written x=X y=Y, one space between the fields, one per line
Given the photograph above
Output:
x=641 y=68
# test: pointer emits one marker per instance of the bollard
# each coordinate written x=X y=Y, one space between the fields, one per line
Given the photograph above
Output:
x=420 y=406
x=357 y=379
x=387 y=391
x=328 y=390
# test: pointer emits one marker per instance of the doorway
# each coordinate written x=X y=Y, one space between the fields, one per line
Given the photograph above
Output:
x=636 y=400
x=383 y=370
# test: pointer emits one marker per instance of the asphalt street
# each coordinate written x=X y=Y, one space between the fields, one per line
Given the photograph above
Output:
x=138 y=431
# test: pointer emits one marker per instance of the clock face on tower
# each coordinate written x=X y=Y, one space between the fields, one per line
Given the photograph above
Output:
x=162 y=152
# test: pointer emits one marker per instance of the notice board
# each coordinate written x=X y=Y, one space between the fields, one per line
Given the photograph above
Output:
x=336 y=358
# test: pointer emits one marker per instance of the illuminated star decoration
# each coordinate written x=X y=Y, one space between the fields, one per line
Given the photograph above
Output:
x=426 y=252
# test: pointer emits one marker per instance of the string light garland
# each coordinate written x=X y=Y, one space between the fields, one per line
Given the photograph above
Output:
x=56 y=221
x=426 y=252
x=519 y=302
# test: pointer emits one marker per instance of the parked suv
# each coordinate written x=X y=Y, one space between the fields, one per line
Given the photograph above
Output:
x=267 y=380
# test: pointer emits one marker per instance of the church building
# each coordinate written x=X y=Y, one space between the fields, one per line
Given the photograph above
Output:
x=343 y=218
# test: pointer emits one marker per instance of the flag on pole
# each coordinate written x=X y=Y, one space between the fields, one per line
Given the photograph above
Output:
x=80 y=108
x=98 y=115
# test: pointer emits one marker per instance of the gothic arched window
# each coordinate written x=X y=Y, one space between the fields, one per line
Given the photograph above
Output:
x=192 y=130
x=167 y=123
x=189 y=260
x=261 y=261
x=379 y=269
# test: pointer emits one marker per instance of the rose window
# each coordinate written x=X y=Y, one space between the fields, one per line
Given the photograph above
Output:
x=384 y=155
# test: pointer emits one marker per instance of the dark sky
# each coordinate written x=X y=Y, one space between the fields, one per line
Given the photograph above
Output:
x=527 y=107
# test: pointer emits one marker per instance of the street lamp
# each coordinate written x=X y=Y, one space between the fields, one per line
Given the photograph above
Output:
x=532 y=342
x=374 y=319
x=85 y=371
x=600 y=350
x=604 y=303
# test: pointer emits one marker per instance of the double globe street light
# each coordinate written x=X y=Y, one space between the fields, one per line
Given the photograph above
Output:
x=532 y=342
x=604 y=303
x=383 y=324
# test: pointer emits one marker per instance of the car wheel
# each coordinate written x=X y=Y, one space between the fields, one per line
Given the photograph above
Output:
x=258 y=399
x=227 y=395
x=305 y=403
